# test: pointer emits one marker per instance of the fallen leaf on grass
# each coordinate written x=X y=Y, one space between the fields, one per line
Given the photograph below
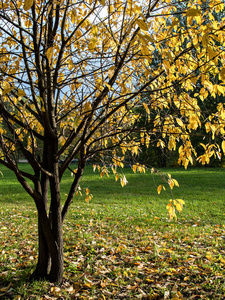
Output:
x=70 y=289
x=5 y=289
x=55 y=289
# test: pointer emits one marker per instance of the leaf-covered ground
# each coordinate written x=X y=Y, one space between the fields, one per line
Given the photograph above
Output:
x=121 y=249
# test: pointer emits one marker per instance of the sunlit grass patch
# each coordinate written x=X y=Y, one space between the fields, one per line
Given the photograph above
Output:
x=121 y=245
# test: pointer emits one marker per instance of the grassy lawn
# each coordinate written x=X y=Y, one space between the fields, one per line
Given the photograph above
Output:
x=121 y=245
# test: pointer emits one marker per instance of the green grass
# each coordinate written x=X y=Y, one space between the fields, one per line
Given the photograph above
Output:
x=121 y=245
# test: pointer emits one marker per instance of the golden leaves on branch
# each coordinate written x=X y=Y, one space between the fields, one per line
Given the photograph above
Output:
x=172 y=206
x=88 y=195
x=7 y=90
x=209 y=151
x=138 y=168
x=123 y=181
x=142 y=24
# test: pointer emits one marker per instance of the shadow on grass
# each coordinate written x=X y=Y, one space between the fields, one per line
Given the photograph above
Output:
x=16 y=284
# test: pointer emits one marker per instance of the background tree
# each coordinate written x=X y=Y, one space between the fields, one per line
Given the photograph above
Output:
x=68 y=90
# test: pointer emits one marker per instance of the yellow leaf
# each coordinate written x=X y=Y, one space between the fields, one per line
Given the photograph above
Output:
x=223 y=146
x=160 y=144
x=146 y=108
x=76 y=122
x=21 y=93
x=134 y=168
x=49 y=54
x=221 y=89
x=55 y=289
x=172 y=25
x=94 y=30
x=178 y=206
x=205 y=40
x=111 y=72
x=179 y=122
x=208 y=127
x=6 y=91
x=49 y=8
x=28 y=4
x=87 y=191
x=159 y=189
x=117 y=177
x=114 y=171
x=145 y=50
x=87 y=106
x=212 y=53
x=166 y=65
x=149 y=38
x=169 y=205
x=88 y=285
x=142 y=25
x=109 y=86
x=135 y=150
x=73 y=16
x=193 y=122
x=181 y=201
x=171 y=183
x=175 y=182
x=92 y=44
x=222 y=74
x=171 y=211
x=70 y=65
x=193 y=12
x=209 y=255
x=123 y=181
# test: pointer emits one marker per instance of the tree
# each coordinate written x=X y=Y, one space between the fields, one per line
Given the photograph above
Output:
x=68 y=90
x=198 y=91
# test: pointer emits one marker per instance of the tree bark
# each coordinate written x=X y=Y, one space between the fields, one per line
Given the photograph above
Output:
x=57 y=259
x=43 y=264
x=50 y=252
x=50 y=237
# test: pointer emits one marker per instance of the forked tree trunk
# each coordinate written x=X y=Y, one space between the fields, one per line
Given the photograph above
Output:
x=50 y=254
x=50 y=238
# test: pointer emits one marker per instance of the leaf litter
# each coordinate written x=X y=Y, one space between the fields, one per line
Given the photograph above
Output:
x=107 y=258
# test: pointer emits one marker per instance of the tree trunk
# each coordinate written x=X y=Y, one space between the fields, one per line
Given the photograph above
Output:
x=43 y=264
x=50 y=256
x=50 y=253
x=50 y=239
